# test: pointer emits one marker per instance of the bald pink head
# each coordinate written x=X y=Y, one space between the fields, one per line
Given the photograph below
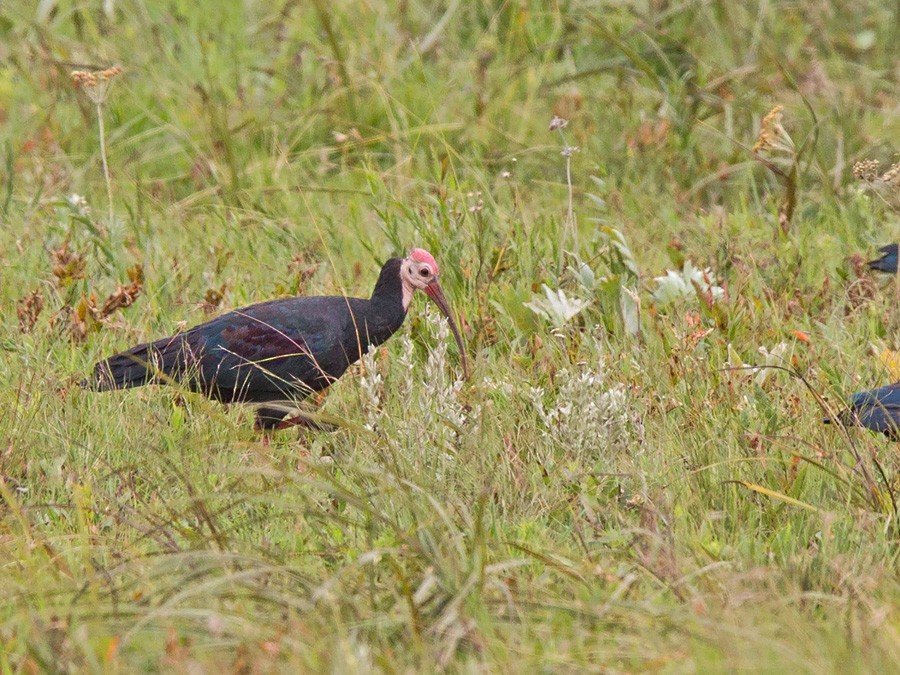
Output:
x=420 y=255
x=414 y=275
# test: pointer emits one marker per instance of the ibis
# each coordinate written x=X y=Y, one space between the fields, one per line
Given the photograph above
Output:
x=277 y=353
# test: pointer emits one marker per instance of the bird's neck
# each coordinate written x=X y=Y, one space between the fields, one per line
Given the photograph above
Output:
x=388 y=303
x=407 y=294
x=389 y=286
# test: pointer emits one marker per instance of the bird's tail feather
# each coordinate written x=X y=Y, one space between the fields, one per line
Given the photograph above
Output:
x=143 y=364
x=883 y=265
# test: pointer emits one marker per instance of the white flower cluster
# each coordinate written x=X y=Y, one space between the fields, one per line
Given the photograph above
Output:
x=440 y=391
x=587 y=416
x=434 y=413
x=501 y=386
x=407 y=363
x=371 y=384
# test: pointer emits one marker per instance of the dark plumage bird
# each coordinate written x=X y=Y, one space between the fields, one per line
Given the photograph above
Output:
x=279 y=352
x=875 y=409
x=888 y=260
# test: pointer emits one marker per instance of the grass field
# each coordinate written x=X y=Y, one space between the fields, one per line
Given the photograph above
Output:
x=609 y=491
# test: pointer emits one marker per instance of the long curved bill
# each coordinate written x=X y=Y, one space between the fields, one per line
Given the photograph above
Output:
x=434 y=291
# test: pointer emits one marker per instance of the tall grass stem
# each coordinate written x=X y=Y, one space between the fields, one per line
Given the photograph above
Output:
x=109 y=196
x=570 y=218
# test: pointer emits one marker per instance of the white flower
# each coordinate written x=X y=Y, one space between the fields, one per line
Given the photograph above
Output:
x=686 y=285
x=79 y=203
x=557 y=307
x=771 y=358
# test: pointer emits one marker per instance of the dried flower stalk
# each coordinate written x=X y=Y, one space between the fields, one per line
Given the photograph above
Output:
x=775 y=146
x=97 y=85
x=558 y=124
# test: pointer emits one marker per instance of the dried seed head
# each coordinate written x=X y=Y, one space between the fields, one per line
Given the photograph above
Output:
x=773 y=137
x=886 y=185
x=766 y=132
x=96 y=84
x=28 y=309
x=869 y=170
x=109 y=73
x=83 y=78
x=892 y=175
x=68 y=266
x=123 y=296
x=866 y=170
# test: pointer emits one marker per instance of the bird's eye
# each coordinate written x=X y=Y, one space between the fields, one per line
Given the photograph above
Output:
x=424 y=272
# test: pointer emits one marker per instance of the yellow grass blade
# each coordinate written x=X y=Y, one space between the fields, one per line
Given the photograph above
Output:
x=778 y=495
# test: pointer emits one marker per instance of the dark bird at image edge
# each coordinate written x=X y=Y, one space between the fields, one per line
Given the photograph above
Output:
x=888 y=260
x=282 y=351
x=875 y=409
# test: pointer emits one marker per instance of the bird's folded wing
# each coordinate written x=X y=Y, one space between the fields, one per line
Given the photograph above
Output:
x=283 y=346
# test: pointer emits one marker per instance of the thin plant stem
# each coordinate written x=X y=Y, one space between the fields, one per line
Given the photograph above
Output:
x=571 y=215
x=103 y=159
x=567 y=152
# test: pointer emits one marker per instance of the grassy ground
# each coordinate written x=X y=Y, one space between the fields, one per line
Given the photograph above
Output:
x=600 y=495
